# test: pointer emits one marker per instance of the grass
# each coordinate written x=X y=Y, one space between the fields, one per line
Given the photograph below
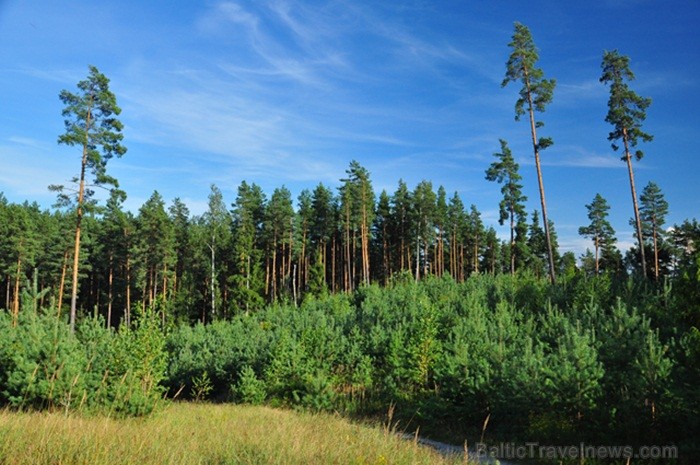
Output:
x=189 y=433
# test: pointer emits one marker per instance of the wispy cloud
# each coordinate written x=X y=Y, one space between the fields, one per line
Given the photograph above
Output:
x=579 y=157
x=575 y=92
x=29 y=167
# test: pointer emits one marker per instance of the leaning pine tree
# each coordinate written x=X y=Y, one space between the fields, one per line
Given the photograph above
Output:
x=626 y=112
x=535 y=94
x=90 y=121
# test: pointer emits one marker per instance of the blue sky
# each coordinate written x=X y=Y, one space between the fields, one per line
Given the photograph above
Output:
x=286 y=92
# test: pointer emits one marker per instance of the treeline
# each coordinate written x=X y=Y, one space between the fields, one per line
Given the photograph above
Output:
x=238 y=257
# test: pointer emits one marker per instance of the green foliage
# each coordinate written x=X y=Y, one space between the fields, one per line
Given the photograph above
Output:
x=125 y=369
x=626 y=109
x=249 y=388
x=90 y=121
x=512 y=207
x=201 y=386
x=600 y=231
x=536 y=92
x=580 y=360
x=42 y=363
x=45 y=365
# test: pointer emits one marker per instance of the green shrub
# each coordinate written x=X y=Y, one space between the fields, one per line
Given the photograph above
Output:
x=42 y=363
x=249 y=389
x=138 y=361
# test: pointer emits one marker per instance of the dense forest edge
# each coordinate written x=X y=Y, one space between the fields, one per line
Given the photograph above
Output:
x=356 y=303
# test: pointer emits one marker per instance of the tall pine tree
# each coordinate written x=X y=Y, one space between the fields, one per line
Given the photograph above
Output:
x=626 y=112
x=91 y=123
x=535 y=94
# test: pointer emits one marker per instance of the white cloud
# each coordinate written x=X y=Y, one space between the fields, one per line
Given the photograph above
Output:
x=29 y=167
x=579 y=157
x=573 y=93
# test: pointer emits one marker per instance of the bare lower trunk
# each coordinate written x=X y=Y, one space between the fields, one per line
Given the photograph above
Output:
x=109 y=290
x=550 y=255
x=656 y=255
x=273 y=277
x=7 y=291
x=333 y=265
x=301 y=284
x=79 y=218
x=128 y=292
x=76 y=260
x=15 y=302
x=213 y=273
x=540 y=182
x=417 y=258
x=637 y=219
x=512 y=243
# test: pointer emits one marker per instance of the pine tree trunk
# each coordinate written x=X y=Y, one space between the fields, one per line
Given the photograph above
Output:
x=417 y=257
x=597 y=272
x=540 y=182
x=302 y=261
x=283 y=267
x=656 y=250
x=452 y=255
x=425 y=258
x=273 y=278
x=62 y=284
x=386 y=272
x=7 y=291
x=15 y=302
x=435 y=264
x=365 y=245
x=76 y=260
x=348 y=265
x=154 y=283
x=128 y=291
x=637 y=219
x=290 y=247
x=110 y=289
x=333 y=246
x=294 y=285
x=353 y=261
x=149 y=287
x=79 y=218
x=165 y=282
x=512 y=242
x=322 y=253
x=213 y=277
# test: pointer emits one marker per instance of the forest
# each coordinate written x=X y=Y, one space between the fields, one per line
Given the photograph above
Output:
x=352 y=301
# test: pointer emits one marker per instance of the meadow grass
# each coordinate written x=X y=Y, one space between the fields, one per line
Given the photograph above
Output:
x=190 y=433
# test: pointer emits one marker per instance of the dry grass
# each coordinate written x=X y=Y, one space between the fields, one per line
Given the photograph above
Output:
x=186 y=433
